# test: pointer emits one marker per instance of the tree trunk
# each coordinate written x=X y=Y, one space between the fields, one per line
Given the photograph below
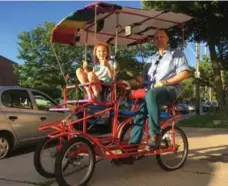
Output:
x=217 y=75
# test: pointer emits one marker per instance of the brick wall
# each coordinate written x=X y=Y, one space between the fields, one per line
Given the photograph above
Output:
x=7 y=76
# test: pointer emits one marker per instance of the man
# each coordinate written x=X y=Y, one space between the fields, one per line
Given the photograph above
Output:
x=161 y=76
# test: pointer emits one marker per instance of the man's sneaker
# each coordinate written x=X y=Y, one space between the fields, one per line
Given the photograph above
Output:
x=153 y=143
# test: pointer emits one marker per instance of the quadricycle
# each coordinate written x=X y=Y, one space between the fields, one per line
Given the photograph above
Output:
x=75 y=150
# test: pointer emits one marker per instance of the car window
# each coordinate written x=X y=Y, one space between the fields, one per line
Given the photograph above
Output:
x=42 y=101
x=16 y=99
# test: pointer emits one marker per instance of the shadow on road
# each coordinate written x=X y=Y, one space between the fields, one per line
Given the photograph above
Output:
x=21 y=151
x=146 y=172
x=211 y=154
x=200 y=169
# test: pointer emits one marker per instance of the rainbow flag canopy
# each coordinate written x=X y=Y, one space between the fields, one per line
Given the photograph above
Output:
x=79 y=27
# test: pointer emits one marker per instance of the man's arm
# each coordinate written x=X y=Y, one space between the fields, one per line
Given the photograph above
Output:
x=173 y=80
x=177 y=78
x=182 y=70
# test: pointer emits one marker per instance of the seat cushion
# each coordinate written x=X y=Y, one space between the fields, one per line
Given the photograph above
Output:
x=130 y=113
x=138 y=94
x=95 y=108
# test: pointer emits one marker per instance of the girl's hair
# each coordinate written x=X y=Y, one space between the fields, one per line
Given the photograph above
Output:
x=95 y=59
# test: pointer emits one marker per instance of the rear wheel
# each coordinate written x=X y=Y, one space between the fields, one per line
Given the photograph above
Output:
x=5 y=145
x=81 y=157
x=126 y=134
x=173 y=160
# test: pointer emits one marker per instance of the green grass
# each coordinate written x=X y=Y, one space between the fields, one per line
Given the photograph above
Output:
x=205 y=121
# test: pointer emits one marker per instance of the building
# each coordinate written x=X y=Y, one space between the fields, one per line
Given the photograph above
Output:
x=7 y=76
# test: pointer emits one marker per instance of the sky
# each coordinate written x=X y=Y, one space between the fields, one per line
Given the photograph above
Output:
x=17 y=17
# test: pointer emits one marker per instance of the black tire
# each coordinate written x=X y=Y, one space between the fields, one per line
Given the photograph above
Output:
x=124 y=131
x=185 y=152
x=37 y=158
x=60 y=157
x=5 y=144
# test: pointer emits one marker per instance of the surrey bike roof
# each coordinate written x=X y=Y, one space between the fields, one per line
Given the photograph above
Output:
x=76 y=27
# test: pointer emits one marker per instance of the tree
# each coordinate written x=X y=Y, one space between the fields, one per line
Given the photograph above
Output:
x=40 y=68
x=206 y=81
x=208 y=26
x=206 y=73
x=187 y=91
x=223 y=52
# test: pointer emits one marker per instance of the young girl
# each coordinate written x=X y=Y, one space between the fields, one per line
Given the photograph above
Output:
x=102 y=71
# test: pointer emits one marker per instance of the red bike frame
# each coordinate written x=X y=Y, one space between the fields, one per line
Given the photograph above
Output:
x=64 y=128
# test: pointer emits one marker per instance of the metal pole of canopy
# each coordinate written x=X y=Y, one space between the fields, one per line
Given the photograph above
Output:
x=86 y=46
x=95 y=25
x=115 y=119
x=117 y=25
x=57 y=59
x=182 y=47
x=116 y=43
x=141 y=50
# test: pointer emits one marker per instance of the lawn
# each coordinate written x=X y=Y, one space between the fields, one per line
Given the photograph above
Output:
x=209 y=120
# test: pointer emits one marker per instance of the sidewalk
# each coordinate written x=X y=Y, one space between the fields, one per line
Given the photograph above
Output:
x=207 y=166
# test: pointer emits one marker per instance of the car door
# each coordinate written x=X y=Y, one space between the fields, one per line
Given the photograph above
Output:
x=20 y=113
x=43 y=104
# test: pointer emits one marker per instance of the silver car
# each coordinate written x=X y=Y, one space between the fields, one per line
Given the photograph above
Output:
x=23 y=110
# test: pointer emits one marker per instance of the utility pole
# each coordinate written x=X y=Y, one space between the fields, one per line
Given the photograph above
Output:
x=197 y=78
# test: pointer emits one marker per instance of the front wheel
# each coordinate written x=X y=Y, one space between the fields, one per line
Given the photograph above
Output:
x=80 y=155
x=5 y=145
x=173 y=160
x=44 y=157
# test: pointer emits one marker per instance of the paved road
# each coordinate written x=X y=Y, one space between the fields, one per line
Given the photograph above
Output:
x=207 y=166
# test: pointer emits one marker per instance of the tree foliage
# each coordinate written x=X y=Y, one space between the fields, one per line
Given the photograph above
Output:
x=40 y=68
x=206 y=73
x=187 y=91
x=208 y=25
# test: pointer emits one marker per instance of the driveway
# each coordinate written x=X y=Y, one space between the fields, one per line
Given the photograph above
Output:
x=207 y=166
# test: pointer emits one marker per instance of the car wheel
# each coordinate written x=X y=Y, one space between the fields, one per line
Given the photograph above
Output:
x=5 y=145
